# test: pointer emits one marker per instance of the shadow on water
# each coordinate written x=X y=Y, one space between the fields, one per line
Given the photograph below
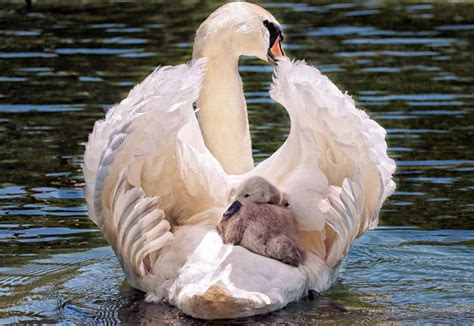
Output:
x=408 y=64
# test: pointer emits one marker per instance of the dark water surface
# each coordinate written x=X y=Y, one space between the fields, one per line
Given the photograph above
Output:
x=410 y=65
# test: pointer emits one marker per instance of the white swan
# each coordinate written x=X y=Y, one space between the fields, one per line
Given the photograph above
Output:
x=158 y=181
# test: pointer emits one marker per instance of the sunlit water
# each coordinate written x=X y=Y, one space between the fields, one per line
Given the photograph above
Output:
x=409 y=65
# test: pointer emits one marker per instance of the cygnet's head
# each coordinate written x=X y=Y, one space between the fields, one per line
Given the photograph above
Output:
x=255 y=190
x=239 y=28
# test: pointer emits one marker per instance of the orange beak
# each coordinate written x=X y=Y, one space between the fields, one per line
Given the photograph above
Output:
x=276 y=48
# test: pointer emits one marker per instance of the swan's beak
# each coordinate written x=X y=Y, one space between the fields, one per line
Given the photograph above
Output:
x=275 y=51
x=233 y=209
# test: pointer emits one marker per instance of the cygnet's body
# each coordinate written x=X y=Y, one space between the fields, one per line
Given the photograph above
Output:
x=260 y=221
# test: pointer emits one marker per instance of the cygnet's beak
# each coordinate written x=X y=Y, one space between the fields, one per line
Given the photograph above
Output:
x=233 y=209
x=275 y=51
x=284 y=200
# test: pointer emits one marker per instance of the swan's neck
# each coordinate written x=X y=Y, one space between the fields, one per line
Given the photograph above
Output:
x=223 y=114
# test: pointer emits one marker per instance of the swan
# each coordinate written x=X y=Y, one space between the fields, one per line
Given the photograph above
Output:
x=159 y=174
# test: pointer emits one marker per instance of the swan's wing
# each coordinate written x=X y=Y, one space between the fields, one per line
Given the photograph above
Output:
x=146 y=167
x=334 y=164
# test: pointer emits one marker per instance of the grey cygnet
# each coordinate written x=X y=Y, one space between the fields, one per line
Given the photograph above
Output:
x=260 y=221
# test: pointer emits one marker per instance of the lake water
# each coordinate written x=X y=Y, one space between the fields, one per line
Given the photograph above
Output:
x=410 y=65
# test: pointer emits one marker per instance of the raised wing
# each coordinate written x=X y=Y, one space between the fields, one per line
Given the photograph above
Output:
x=147 y=169
x=333 y=166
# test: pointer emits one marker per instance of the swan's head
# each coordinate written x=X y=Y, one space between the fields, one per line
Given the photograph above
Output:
x=239 y=28
x=255 y=190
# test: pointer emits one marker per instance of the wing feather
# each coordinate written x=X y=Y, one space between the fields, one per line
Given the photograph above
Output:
x=142 y=174
x=334 y=165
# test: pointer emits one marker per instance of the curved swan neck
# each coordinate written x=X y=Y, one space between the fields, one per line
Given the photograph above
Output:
x=223 y=114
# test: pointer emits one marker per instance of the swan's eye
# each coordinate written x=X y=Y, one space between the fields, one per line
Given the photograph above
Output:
x=274 y=31
x=247 y=195
x=276 y=37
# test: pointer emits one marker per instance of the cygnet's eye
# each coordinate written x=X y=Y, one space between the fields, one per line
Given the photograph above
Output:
x=247 y=195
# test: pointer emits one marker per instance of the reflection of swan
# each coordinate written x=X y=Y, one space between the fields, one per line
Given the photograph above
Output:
x=158 y=180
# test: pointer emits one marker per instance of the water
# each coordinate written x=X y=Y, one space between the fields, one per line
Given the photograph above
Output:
x=410 y=65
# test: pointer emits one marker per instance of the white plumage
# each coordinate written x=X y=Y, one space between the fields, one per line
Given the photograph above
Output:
x=156 y=192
